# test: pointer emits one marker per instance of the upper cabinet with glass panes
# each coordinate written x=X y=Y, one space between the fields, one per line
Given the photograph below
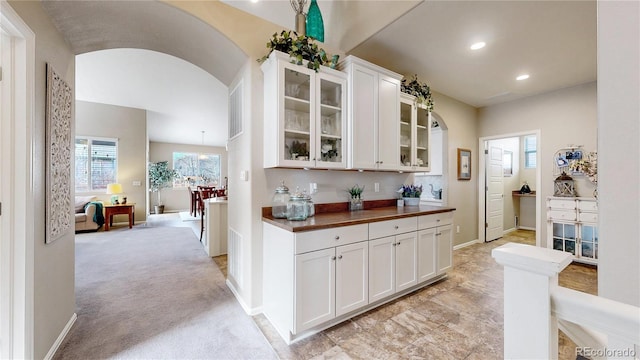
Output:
x=415 y=135
x=304 y=115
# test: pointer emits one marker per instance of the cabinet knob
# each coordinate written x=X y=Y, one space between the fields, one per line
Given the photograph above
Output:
x=396 y=227
x=398 y=243
x=333 y=258
x=438 y=234
x=394 y=244
x=339 y=256
x=437 y=220
x=380 y=162
x=337 y=237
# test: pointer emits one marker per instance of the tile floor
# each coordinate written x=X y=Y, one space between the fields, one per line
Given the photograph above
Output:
x=460 y=317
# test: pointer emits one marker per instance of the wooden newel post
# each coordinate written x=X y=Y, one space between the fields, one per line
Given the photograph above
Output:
x=530 y=273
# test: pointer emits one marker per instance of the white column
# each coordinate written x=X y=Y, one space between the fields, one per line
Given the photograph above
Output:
x=530 y=272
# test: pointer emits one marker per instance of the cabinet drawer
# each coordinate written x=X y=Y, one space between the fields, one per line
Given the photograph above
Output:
x=588 y=217
x=588 y=205
x=562 y=204
x=561 y=215
x=429 y=221
x=392 y=227
x=326 y=238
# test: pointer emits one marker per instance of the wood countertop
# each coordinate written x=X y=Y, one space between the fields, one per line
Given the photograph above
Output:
x=325 y=220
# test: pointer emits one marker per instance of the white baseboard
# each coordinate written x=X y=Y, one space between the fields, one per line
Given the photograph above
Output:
x=505 y=232
x=468 y=243
x=250 y=311
x=526 y=228
x=60 y=339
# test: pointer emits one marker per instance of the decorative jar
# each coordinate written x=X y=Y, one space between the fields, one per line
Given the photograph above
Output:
x=280 y=201
x=311 y=208
x=356 y=204
x=297 y=207
x=411 y=201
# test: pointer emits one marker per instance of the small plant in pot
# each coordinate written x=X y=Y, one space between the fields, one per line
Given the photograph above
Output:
x=411 y=194
x=355 y=202
x=161 y=177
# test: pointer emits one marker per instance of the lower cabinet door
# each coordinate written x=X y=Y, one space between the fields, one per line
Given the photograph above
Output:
x=406 y=270
x=444 y=237
x=315 y=289
x=352 y=277
x=426 y=254
x=382 y=260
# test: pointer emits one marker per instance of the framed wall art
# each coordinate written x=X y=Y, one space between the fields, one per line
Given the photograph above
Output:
x=464 y=164
x=58 y=156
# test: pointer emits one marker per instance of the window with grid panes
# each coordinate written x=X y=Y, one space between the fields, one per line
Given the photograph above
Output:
x=196 y=169
x=530 y=151
x=96 y=163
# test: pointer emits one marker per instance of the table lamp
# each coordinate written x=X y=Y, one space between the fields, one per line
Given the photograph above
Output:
x=114 y=189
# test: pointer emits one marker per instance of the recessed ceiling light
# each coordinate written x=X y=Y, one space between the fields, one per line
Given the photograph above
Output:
x=523 y=77
x=254 y=1
x=478 y=45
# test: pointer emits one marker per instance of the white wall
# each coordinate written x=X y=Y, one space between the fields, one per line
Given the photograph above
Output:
x=179 y=199
x=53 y=276
x=129 y=126
x=618 y=158
x=566 y=116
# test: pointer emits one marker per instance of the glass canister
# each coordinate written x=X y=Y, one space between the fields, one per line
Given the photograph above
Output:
x=297 y=207
x=280 y=201
x=311 y=208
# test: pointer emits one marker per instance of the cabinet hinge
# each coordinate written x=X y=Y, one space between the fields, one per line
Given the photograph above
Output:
x=486 y=225
x=0 y=208
x=486 y=151
x=0 y=73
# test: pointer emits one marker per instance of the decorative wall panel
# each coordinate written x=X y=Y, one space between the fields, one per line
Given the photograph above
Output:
x=58 y=158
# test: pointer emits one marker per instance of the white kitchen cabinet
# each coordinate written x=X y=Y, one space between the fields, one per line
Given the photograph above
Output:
x=394 y=257
x=329 y=283
x=315 y=288
x=572 y=227
x=415 y=135
x=374 y=110
x=304 y=115
x=435 y=245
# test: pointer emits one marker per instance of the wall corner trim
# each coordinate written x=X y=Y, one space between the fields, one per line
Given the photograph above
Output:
x=61 y=337
x=250 y=311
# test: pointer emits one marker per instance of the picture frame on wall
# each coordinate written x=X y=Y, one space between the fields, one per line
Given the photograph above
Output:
x=464 y=164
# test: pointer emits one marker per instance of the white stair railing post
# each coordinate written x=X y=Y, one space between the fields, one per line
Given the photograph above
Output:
x=530 y=272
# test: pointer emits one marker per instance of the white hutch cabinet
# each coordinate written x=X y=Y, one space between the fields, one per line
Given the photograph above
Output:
x=572 y=226
x=304 y=115
x=374 y=110
x=415 y=135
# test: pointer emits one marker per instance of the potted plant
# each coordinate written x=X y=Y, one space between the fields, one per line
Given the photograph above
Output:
x=421 y=91
x=355 y=202
x=411 y=194
x=300 y=48
x=160 y=177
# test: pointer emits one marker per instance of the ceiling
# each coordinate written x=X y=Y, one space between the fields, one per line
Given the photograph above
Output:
x=552 y=41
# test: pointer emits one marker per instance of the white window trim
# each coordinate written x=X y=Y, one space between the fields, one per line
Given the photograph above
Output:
x=99 y=138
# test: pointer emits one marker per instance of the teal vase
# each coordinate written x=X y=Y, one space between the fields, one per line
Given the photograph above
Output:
x=315 y=25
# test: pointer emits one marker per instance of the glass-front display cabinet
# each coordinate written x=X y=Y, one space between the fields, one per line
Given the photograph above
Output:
x=304 y=118
x=415 y=135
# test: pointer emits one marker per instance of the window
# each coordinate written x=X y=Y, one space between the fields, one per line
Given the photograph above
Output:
x=196 y=169
x=530 y=149
x=96 y=163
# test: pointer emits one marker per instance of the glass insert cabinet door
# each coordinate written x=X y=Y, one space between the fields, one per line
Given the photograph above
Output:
x=297 y=116
x=406 y=113
x=331 y=125
x=423 y=125
x=589 y=241
x=564 y=237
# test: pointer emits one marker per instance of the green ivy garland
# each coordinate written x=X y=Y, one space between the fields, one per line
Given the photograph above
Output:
x=300 y=48
x=421 y=91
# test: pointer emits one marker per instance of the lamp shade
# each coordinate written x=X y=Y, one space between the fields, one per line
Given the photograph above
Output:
x=114 y=188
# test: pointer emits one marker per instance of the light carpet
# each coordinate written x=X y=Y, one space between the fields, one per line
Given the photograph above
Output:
x=153 y=293
x=185 y=216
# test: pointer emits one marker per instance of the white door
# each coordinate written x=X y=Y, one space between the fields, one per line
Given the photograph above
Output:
x=406 y=270
x=352 y=277
x=426 y=254
x=382 y=280
x=444 y=244
x=388 y=125
x=495 y=194
x=315 y=288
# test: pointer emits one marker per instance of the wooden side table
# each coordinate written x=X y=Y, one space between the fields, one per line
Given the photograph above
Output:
x=124 y=209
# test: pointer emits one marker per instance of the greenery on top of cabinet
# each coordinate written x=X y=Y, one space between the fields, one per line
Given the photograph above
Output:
x=299 y=48
x=421 y=91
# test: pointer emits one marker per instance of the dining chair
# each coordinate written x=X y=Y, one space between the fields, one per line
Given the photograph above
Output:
x=204 y=193
x=193 y=198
